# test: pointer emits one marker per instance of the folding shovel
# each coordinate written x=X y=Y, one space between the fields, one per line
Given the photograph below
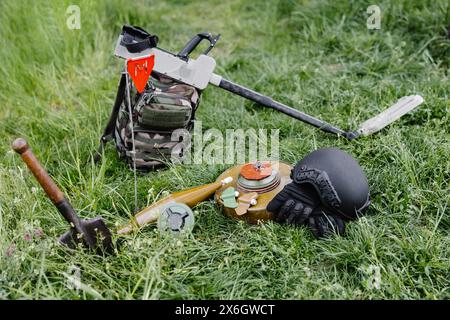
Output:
x=90 y=233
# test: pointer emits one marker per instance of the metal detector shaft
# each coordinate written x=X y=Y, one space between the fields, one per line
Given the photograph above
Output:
x=270 y=103
x=199 y=73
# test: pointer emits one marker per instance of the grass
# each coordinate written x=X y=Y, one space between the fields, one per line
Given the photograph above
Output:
x=57 y=89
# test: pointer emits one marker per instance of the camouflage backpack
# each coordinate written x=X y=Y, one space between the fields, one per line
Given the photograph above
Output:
x=164 y=106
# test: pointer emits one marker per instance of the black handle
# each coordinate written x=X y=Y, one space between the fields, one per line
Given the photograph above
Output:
x=294 y=113
x=195 y=41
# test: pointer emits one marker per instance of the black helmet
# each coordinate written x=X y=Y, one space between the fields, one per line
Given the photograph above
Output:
x=338 y=179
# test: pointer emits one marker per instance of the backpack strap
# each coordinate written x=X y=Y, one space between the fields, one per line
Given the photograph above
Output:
x=109 y=129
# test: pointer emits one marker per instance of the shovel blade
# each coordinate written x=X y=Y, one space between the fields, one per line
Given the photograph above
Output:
x=95 y=229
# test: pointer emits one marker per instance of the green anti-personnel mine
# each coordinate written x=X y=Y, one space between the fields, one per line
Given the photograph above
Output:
x=176 y=218
x=159 y=93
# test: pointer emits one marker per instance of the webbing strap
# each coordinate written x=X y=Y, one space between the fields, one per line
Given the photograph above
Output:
x=109 y=129
x=136 y=39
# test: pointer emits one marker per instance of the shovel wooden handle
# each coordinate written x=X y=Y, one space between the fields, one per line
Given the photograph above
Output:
x=21 y=147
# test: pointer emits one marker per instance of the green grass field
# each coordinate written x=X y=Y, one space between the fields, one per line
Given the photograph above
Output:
x=57 y=88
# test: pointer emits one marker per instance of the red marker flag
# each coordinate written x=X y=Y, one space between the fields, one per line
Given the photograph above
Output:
x=139 y=70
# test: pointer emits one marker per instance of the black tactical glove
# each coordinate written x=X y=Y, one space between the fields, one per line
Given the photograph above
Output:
x=328 y=188
x=324 y=225
x=300 y=205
